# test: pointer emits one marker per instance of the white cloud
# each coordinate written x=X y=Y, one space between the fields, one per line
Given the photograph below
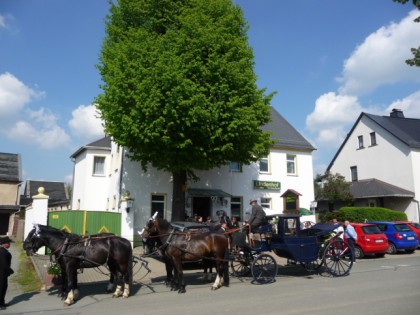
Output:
x=2 y=21
x=41 y=129
x=410 y=105
x=14 y=95
x=380 y=59
x=86 y=123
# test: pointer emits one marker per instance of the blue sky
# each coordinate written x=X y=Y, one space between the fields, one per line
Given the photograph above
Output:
x=328 y=60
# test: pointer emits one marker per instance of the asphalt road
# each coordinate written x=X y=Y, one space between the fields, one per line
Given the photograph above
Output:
x=384 y=286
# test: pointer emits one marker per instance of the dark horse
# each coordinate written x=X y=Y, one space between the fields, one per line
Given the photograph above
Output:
x=180 y=246
x=73 y=252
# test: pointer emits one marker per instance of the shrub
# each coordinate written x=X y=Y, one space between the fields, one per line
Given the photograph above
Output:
x=362 y=214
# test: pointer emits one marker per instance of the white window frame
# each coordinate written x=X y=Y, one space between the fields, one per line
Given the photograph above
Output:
x=292 y=161
x=373 y=139
x=235 y=167
x=267 y=159
x=360 y=142
x=95 y=167
x=158 y=202
x=266 y=203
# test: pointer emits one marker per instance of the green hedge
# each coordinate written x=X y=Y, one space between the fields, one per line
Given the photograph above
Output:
x=360 y=214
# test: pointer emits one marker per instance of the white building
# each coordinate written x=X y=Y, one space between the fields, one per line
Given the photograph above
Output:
x=381 y=159
x=281 y=182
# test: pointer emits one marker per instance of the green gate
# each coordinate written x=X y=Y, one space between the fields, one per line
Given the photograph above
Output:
x=86 y=222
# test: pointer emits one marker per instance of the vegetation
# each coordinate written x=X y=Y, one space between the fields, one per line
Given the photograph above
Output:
x=333 y=188
x=179 y=89
x=362 y=214
x=415 y=61
x=26 y=275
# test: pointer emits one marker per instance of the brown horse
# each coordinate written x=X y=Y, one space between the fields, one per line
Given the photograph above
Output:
x=180 y=246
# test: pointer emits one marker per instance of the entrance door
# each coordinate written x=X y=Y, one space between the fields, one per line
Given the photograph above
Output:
x=201 y=206
x=4 y=223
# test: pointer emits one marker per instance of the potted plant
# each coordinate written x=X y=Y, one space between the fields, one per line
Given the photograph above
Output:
x=53 y=275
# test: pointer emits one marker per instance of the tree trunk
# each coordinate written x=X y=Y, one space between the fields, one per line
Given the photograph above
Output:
x=178 y=196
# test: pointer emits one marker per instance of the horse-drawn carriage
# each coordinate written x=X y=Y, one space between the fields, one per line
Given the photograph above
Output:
x=313 y=248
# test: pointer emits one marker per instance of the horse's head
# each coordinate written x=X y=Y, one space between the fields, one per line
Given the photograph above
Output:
x=33 y=241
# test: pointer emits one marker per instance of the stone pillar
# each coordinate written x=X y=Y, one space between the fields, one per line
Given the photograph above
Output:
x=127 y=217
x=40 y=211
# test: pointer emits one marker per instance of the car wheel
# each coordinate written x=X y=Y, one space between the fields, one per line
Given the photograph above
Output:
x=358 y=252
x=391 y=249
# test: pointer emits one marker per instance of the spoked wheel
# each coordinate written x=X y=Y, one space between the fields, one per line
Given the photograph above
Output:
x=264 y=269
x=240 y=268
x=312 y=265
x=338 y=258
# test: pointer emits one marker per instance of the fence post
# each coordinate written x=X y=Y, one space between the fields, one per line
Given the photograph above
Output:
x=127 y=217
x=38 y=213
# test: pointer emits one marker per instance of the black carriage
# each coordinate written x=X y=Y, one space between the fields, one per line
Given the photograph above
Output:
x=313 y=248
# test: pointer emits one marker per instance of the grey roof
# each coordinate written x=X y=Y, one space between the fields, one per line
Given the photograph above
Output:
x=285 y=134
x=405 y=129
x=10 y=167
x=101 y=144
x=374 y=188
x=56 y=191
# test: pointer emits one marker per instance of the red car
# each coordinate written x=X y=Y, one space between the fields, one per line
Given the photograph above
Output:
x=370 y=240
x=414 y=226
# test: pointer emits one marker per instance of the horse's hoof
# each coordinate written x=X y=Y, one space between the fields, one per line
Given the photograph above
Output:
x=115 y=296
x=182 y=291
x=66 y=304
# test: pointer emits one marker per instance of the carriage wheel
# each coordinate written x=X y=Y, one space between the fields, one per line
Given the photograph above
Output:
x=338 y=258
x=264 y=269
x=240 y=268
x=312 y=265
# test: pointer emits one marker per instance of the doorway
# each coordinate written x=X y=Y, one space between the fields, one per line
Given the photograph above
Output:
x=201 y=206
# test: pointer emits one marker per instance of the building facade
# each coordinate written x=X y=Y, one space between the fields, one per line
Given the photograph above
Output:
x=281 y=181
x=381 y=159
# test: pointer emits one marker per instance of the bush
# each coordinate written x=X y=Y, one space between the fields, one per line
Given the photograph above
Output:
x=362 y=214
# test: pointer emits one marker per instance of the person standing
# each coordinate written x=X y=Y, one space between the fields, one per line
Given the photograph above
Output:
x=5 y=270
x=257 y=216
x=351 y=236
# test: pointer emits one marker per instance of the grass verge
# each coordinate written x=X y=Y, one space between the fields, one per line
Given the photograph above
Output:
x=26 y=275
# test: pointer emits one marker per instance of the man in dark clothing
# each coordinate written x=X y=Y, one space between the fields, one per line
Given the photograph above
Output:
x=5 y=270
x=257 y=216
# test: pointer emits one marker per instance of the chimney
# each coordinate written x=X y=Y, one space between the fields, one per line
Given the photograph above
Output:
x=396 y=113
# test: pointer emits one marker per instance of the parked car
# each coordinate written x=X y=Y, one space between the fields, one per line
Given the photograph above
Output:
x=400 y=236
x=415 y=227
x=370 y=240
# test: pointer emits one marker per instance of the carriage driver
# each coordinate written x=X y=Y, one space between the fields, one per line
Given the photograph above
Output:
x=257 y=216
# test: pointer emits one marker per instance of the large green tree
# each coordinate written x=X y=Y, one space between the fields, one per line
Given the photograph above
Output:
x=415 y=61
x=179 y=89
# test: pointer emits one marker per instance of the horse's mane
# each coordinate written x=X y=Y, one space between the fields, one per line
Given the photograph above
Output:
x=164 y=224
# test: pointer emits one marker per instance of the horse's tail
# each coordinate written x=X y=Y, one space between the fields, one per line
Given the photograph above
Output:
x=226 y=268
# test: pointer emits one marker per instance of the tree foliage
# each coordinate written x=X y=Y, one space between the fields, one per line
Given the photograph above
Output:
x=334 y=188
x=179 y=89
x=415 y=61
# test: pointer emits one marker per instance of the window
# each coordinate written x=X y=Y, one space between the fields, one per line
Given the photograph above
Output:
x=99 y=165
x=236 y=207
x=264 y=164
x=158 y=205
x=266 y=203
x=372 y=138
x=291 y=164
x=360 y=139
x=235 y=167
x=353 y=170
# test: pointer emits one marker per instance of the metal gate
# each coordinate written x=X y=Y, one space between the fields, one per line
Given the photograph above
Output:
x=86 y=222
